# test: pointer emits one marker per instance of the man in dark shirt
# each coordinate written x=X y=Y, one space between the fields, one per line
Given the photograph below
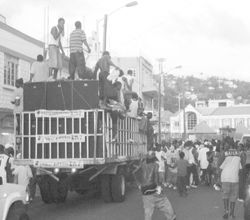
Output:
x=103 y=64
x=152 y=195
x=182 y=166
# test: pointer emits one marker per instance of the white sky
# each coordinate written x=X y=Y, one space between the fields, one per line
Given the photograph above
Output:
x=204 y=36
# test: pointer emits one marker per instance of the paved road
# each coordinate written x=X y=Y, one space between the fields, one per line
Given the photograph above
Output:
x=201 y=204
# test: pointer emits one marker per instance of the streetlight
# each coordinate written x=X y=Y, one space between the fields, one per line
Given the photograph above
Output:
x=159 y=94
x=130 y=4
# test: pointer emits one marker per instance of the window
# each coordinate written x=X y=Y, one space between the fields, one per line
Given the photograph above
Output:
x=176 y=124
x=10 y=69
x=227 y=122
x=239 y=122
x=191 y=120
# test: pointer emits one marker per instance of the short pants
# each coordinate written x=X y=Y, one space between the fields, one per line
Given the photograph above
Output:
x=230 y=191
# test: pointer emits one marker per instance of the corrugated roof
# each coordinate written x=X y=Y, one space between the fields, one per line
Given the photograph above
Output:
x=206 y=110
x=232 y=110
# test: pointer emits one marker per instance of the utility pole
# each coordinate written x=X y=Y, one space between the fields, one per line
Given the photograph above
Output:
x=105 y=32
x=161 y=60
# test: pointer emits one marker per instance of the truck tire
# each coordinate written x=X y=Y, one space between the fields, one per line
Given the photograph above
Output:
x=118 y=187
x=59 y=189
x=106 y=188
x=17 y=211
x=45 y=189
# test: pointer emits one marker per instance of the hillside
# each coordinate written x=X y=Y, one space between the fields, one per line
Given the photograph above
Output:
x=203 y=89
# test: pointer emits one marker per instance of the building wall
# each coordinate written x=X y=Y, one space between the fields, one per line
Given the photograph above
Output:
x=24 y=49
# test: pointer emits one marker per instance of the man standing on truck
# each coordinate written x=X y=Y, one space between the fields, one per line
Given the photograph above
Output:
x=39 y=70
x=104 y=64
x=55 y=45
x=77 y=59
x=152 y=196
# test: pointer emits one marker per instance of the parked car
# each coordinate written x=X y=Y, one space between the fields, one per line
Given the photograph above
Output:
x=13 y=202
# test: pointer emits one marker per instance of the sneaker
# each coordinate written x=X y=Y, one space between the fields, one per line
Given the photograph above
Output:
x=217 y=188
x=194 y=186
x=174 y=188
x=170 y=186
x=165 y=184
x=188 y=187
x=240 y=200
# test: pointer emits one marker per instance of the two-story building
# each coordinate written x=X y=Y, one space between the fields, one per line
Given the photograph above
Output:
x=213 y=118
x=17 y=52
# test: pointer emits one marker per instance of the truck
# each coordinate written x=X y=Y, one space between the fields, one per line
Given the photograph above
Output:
x=71 y=145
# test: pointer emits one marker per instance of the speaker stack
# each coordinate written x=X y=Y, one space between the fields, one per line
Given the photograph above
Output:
x=61 y=95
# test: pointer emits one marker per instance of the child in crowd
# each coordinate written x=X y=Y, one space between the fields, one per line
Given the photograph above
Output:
x=182 y=166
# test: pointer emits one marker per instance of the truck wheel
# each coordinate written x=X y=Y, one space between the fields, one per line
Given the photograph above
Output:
x=59 y=189
x=118 y=186
x=17 y=212
x=106 y=188
x=45 y=189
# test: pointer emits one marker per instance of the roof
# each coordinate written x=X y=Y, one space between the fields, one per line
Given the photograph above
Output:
x=206 y=111
x=20 y=34
x=232 y=110
x=202 y=128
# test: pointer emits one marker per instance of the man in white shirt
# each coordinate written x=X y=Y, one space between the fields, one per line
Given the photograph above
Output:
x=39 y=70
x=202 y=158
x=230 y=179
x=133 y=107
x=3 y=164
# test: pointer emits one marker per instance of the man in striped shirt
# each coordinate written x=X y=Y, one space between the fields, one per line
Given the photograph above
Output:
x=77 y=59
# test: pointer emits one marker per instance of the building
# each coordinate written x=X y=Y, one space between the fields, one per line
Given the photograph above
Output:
x=214 y=103
x=17 y=52
x=144 y=84
x=236 y=116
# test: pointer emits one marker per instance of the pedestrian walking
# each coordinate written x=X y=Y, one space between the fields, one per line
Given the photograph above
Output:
x=182 y=166
x=3 y=163
x=152 y=195
x=172 y=167
x=77 y=59
x=203 y=163
x=55 y=45
x=230 y=178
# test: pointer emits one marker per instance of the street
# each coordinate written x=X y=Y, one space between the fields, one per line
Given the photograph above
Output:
x=202 y=203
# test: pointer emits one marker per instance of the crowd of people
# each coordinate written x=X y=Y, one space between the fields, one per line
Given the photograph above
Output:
x=216 y=164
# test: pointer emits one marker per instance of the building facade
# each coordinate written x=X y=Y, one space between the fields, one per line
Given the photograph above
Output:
x=235 y=116
x=17 y=52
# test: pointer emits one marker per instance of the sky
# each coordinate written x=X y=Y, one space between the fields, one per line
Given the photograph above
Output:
x=205 y=37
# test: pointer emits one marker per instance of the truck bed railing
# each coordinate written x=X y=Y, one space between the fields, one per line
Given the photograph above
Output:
x=82 y=136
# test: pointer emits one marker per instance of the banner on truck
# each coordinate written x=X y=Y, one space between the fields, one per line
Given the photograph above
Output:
x=60 y=138
x=60 y=114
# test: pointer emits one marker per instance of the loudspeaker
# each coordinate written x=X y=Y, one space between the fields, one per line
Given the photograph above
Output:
x=59 y=95
x=34 y=96
x=85 y=94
